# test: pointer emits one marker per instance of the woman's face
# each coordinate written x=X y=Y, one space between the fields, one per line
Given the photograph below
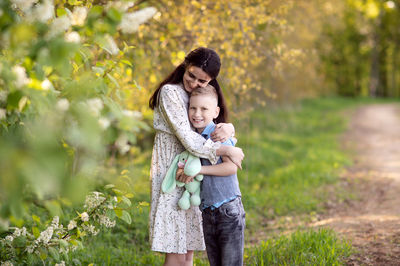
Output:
x=194 y=77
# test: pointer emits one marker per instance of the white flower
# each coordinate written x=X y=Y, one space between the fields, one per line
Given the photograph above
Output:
x=10 y=238
x=110 y=45
x=21 y=77
x=24 y=5
x=107 y=222
x=19 y=232
x=46 y=235
x=62 y=105
x=91 y=229
x=62 y=263
x=30 y=249
x=122 y=6
x=3 y=96
x=3 y=113
x=130 y=21
x=93 y=200
x=43 y=12
x=73 y=36
x=104 y=123
x=46 y=84
x=390 y=4
x=78 y=16
x=6 y=263
x=95 y=106
x=59 y=25
x=55 y=222
x=122 y=144
x=71 y=225
x=84 y=216
x=132 y=114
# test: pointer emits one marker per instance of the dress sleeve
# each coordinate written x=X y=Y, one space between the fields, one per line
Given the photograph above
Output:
x=172 y=106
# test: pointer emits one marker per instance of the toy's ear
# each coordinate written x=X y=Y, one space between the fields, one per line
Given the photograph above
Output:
x=169 y=182
x=193 y=165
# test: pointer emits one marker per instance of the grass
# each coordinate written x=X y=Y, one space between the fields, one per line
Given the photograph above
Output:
x=320 y=247
x=293 y=156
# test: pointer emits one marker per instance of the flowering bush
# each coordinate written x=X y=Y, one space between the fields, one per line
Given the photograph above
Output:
x=56 y=241
x=62 y=109
x=63 y=119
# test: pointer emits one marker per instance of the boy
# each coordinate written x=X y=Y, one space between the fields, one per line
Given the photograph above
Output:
x=221 y=206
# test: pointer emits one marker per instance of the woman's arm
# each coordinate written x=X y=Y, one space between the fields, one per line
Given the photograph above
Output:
x=173 y=110
x=227 y=167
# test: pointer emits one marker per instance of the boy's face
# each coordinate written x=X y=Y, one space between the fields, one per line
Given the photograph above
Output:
x=202 y=110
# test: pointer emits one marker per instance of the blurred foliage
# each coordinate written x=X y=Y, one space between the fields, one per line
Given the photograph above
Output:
x=359 y=48
x=63 y=119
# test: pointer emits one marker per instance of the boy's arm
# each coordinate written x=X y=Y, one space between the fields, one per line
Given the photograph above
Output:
x=227 y=167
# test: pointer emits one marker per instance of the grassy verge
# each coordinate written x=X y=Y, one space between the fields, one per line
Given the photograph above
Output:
x=320 y=247
x=293 y=156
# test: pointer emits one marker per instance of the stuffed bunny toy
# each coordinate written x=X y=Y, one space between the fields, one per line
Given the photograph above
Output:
x=191 y=167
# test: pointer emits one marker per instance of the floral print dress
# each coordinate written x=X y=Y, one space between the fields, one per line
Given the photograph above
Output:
x=173 y=230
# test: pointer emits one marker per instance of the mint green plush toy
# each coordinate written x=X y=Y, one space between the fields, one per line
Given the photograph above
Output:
x=191 y=167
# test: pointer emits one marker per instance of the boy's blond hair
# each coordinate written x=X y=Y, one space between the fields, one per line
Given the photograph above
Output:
x=207 y=90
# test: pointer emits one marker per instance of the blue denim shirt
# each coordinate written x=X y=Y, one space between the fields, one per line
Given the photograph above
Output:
x=217 y=190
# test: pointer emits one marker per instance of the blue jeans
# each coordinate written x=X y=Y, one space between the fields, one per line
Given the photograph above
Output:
x=224 y=233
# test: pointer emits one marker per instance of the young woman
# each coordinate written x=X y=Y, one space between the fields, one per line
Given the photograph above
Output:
x=173 y=231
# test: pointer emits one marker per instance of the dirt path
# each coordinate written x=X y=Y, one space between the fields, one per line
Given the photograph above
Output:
x=372 y=222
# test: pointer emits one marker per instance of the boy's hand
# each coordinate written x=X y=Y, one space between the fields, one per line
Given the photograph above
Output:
x=180 y=176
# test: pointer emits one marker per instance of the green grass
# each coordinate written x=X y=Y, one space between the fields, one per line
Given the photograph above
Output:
x=292 y=156
x=320 y=247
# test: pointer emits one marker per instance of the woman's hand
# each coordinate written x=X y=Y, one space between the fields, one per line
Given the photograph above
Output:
x=222 y=132
x=180 y=176
x=236 y=155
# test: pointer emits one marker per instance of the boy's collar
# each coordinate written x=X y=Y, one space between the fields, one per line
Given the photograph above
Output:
x=208 y=129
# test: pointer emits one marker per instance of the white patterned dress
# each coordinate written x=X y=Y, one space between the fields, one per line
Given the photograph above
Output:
x=173 y=230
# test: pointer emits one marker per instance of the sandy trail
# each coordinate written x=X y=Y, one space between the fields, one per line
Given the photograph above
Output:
x=372 y=221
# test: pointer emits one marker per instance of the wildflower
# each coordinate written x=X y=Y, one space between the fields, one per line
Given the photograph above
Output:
x=91 y=229
x=122 y=6
x=31 y=248
x=71 y=225
x=3 y=113
x=10 y=238
x=7 y=263
x=21 y=77
x=62 y=263
x=132 y=114
x=104 y=123
x=24 y=5
x=3 y=96
x=73 y=36
x=46 y=235
x=84 y=216
x=110 y=45
x=95 y=106
x=93 y=200
x=107 y=222
x=78 y=16
x=62 y=105
x=46 y=84
x=122 y=144
x=59 y=25
x=130 y=21
x=43 y=12
x=55 y=222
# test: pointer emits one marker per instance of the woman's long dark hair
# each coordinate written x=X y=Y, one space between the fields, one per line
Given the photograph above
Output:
x=209 y=61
